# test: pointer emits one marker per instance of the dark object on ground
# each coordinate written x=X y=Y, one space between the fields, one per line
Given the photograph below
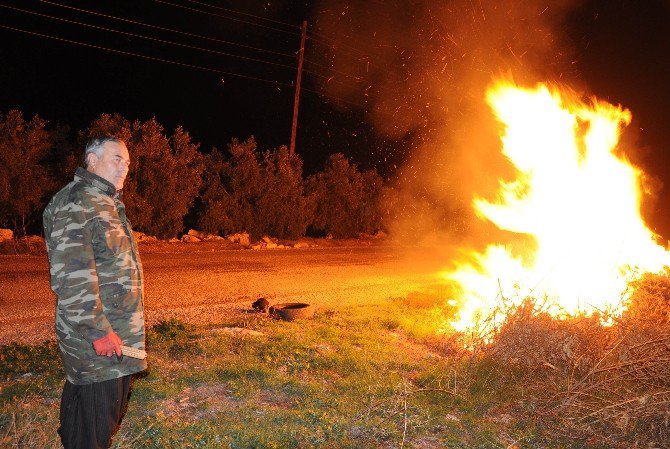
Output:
x=289 y=311
x=261 y=305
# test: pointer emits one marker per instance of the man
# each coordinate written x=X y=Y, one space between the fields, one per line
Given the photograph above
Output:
x=96 y=274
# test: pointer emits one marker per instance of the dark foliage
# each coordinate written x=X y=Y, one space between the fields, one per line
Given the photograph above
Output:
x=246 y=190
x=18 y=359
x=165 y=175
x=24 y=180
x=260 y=195
x=346 y=200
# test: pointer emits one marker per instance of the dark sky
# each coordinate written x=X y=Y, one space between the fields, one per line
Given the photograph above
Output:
x=621 y=52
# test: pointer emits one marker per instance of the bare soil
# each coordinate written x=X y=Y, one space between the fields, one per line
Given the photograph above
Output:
x=204 y=284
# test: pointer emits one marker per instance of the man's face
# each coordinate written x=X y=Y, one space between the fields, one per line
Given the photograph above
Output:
x=112 y=165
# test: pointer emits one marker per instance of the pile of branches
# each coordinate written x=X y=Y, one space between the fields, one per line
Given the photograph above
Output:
x=602 y=383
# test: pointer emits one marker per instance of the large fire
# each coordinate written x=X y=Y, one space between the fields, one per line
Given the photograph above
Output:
x=574 y=197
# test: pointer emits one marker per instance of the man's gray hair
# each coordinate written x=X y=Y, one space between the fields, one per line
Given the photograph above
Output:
x=96 y=146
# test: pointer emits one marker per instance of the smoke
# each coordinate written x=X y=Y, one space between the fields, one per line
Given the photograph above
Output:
x=420 y=70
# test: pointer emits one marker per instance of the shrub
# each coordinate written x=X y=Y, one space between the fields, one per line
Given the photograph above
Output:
x=18 y=359
x=165 y=176
x=24 y=180
x=246 y=193
x=346 y=200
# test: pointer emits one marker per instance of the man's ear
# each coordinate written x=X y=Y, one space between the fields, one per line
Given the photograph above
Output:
x=91 y=160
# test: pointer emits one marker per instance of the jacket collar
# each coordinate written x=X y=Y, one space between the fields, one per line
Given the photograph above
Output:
x=96 y=181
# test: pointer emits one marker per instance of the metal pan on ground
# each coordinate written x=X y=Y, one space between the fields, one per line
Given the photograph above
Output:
x=289 y=311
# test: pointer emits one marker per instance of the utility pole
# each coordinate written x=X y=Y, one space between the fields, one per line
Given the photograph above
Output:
x=291 y=149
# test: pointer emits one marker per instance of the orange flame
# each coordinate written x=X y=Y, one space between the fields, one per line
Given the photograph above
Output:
x=576 y=199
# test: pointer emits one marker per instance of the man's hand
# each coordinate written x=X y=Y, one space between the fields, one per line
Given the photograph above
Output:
x=108 y=345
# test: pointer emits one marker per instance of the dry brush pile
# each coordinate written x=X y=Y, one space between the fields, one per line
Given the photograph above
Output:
x=603 y=384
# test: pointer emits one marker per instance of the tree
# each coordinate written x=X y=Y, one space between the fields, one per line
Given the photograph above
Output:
x=24 y=180
x=283 y=208
x=262 y=196
x=213 y=217
x=233 y=190
x=346 y=200
x=165 y=176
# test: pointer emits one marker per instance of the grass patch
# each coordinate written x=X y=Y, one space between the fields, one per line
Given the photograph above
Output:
x=373 y=377
x=17 y=359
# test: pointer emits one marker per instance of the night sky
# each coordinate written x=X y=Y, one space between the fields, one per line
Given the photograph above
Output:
x=619 y=49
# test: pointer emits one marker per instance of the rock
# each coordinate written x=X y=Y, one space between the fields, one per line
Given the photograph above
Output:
x=269 y=244
x=241 y=237
x=304 y=243
x=6 y=234
x=261 y=305
x=203 y=236
x=142 y=237
x=190 y=238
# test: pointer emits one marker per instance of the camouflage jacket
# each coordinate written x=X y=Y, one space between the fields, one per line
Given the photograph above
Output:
x=96 y=274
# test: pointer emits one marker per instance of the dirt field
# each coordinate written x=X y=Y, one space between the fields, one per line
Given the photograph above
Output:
x=207 y=285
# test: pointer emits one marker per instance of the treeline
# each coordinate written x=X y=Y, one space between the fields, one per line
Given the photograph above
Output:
x=172 y=185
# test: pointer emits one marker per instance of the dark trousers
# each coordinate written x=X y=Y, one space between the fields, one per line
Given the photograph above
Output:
x=90 y=414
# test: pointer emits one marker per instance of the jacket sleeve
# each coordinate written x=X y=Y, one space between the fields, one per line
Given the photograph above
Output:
x=74 y=278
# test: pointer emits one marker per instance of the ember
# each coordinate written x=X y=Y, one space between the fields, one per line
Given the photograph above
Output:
x=573 y=197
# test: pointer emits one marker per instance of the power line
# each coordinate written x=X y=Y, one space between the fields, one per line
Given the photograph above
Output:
x=366 y=58
x=313 y=73
x=223 y=16
x=152 y=58
x=134 y=22
x=183 y=33
x=171 y=42
x=147 y=37
x=182 y=64
x=244 y=14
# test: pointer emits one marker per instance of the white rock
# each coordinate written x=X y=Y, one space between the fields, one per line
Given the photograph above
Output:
x=269 y=244
x=197 y=234
x=142 y=237
x=242 y=238
x=6 y=234
x=189 y=238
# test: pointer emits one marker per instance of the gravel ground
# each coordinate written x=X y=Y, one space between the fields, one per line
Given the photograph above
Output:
x=205 y=285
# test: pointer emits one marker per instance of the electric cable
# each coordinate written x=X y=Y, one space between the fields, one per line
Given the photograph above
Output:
x=153 y=58
x=182 y=64
x=244 y=13
x=223 y=16
x=313 y=73
x=184 y=33
x=125 y=33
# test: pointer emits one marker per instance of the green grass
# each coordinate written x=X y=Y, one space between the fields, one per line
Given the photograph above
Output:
x=361 y=377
